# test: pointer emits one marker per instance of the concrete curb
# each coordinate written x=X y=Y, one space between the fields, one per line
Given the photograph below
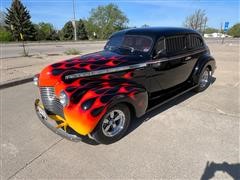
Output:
x=16 y=82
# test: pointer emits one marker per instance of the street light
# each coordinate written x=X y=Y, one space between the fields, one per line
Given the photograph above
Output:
x=74 y=22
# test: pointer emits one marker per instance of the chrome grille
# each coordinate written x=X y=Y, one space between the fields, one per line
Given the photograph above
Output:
x=50 y=101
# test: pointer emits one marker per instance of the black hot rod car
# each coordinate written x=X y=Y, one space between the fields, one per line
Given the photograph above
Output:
x=98 y=94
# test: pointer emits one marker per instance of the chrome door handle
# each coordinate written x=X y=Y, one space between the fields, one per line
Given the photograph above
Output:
x=188 y=58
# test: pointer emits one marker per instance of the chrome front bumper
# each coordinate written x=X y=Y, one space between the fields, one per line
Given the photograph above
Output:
x=51 y=123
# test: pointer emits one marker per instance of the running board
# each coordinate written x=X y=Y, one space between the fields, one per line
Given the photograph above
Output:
x=162 y=101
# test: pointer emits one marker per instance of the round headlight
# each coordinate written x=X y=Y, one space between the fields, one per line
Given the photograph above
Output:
x=35 y=79
x=63 y=98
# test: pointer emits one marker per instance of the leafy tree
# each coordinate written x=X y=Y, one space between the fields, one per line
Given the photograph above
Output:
x=234 y=30
x=67 y=32
x=105 y=20
x=18 y=21
x=81 y=30
x=197 y=20
x=210 y=30
x=5 y=35
x=46 y=31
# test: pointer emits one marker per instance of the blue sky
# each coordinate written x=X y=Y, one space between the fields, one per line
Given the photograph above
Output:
x=139 y=12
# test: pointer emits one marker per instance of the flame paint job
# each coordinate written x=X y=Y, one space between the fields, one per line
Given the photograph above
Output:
x=90 y=97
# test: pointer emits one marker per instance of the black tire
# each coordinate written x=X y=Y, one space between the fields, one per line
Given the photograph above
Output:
x=99 y=133
x=204 y=85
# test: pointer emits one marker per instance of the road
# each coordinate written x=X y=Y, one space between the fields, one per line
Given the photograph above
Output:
x=176 y=141
x=16 y=50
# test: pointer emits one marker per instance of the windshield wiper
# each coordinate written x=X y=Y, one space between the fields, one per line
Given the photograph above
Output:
x=128 y=47
x=110 y=47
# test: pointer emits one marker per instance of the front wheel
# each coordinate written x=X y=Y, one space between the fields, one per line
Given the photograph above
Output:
x=113 y=125
x=204 y=80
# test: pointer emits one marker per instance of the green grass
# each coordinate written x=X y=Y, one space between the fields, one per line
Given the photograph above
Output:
x=72 y=51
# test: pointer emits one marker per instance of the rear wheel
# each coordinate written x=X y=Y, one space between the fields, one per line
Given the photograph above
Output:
x=113 y=125
x=204 y=80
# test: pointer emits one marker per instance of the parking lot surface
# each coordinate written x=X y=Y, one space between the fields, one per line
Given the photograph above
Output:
x=194 y=136
x=9 y=50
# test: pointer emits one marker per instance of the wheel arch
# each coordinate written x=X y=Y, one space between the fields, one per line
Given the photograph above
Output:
x=131 y=109
x=135 y=108
x=204 y=61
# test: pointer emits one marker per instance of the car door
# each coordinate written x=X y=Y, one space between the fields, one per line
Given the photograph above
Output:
x=171 y=67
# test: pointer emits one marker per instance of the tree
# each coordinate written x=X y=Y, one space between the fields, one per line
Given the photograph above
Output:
x=5 y=35
x=145 y=26
x=18 y=21
x=46 y=31
x=2 y=19
x=197 y=20
x=81 y=30
x=211 y=30
x=234 y=30
x=105 y=20
x=67 y=32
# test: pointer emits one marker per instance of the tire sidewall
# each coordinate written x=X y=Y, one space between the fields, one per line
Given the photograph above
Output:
x=98 y=134
x=199 y=88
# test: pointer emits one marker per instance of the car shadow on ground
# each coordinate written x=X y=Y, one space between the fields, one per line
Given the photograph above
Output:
x=233 y=170
x=136 y=122
x=150 y=114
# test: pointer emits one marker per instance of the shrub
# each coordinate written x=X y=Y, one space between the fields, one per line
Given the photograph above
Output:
x=72 y=51
x=235 y=30
x=5 y=35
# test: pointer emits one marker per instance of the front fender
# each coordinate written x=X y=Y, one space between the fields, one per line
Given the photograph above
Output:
x=137 y=101
x=90 y=102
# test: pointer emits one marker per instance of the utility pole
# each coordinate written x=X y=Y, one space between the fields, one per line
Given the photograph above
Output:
x=74 y=22
x=220 y=31
x=204 y=26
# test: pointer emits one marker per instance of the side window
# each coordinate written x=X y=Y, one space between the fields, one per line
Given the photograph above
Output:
x=175 y=44
x=195 y=42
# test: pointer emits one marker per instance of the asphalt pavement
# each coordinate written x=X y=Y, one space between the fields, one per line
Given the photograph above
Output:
x=16 y=50
x=194 y=136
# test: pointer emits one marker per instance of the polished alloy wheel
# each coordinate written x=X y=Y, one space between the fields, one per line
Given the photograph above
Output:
x=113 y=123
x=204 y=79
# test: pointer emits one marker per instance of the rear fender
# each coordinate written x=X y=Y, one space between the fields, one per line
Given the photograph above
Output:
x=203 y=62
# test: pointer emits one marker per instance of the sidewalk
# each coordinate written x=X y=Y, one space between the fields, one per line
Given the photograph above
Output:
x=14 y=69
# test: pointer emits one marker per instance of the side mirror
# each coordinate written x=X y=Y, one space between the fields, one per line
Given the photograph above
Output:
x=160 y=53
x=106 y=47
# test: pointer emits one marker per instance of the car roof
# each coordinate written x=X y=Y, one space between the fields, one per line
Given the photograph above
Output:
x=157 y=31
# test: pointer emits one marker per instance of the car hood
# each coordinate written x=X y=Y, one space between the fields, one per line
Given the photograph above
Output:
x=88 y=65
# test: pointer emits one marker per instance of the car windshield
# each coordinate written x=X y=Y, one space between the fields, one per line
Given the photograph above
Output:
x=130 y=43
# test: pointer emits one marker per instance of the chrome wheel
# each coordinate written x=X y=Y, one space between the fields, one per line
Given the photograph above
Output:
x=204 y=79
x=113 y=123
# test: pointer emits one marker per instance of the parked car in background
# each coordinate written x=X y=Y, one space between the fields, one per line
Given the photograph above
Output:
x=99 y=94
